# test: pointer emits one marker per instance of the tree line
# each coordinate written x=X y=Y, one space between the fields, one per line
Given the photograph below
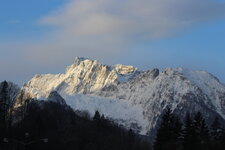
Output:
x=192 y=134
x=48 y=125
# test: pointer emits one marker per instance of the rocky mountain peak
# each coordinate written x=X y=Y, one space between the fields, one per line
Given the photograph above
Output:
x=121 y=90
x=77 y=60
x=122 y=69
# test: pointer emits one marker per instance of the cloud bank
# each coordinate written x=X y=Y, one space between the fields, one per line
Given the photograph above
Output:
x=107 y=28
x=154 y=18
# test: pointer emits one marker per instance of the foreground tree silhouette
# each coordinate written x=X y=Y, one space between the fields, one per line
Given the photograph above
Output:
x=195 y=133
x=216 y=129
x=169 y=131
x=66 y=130
x=189 y=134
x=202 y=132
x=97 y=116
x=4 y=105
x=217 y=134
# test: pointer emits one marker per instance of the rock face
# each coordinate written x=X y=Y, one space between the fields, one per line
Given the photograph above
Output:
x=148 y=92
x=84 y=76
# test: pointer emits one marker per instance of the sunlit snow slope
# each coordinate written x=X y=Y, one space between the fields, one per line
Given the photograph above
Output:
x=133 y=98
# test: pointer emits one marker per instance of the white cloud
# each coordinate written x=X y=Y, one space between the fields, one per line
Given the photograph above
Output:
x=153 y=17
x=104 y=28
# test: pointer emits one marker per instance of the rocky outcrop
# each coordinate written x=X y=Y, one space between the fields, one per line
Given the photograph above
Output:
x=84 y=76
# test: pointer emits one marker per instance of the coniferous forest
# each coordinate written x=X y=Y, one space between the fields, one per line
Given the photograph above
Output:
x=40 y=125
x=191 y=133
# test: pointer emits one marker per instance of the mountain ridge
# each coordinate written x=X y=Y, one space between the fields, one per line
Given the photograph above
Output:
x=124 y=90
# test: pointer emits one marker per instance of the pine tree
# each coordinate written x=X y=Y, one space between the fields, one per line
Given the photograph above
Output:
x=102 y=117
x=177 y=128
x=97 y=116
x=202 y=132
x=217 y=133
x=222 y=139
x=215 y=129
x=168 y=133
x=4 y=104
x=189 y=134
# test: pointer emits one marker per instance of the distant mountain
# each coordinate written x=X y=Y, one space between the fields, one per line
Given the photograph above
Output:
x=131 y=97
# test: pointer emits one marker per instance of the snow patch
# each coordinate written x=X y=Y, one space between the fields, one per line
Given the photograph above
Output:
x=121 y=111
x=209 y=84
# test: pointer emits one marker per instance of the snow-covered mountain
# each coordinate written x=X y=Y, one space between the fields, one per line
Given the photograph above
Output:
x=133 y=98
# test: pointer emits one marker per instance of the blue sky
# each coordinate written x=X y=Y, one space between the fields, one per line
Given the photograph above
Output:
x=44 y=36
x=18 y=18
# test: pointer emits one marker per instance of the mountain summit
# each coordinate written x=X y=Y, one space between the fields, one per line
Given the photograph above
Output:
x=131 y=97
